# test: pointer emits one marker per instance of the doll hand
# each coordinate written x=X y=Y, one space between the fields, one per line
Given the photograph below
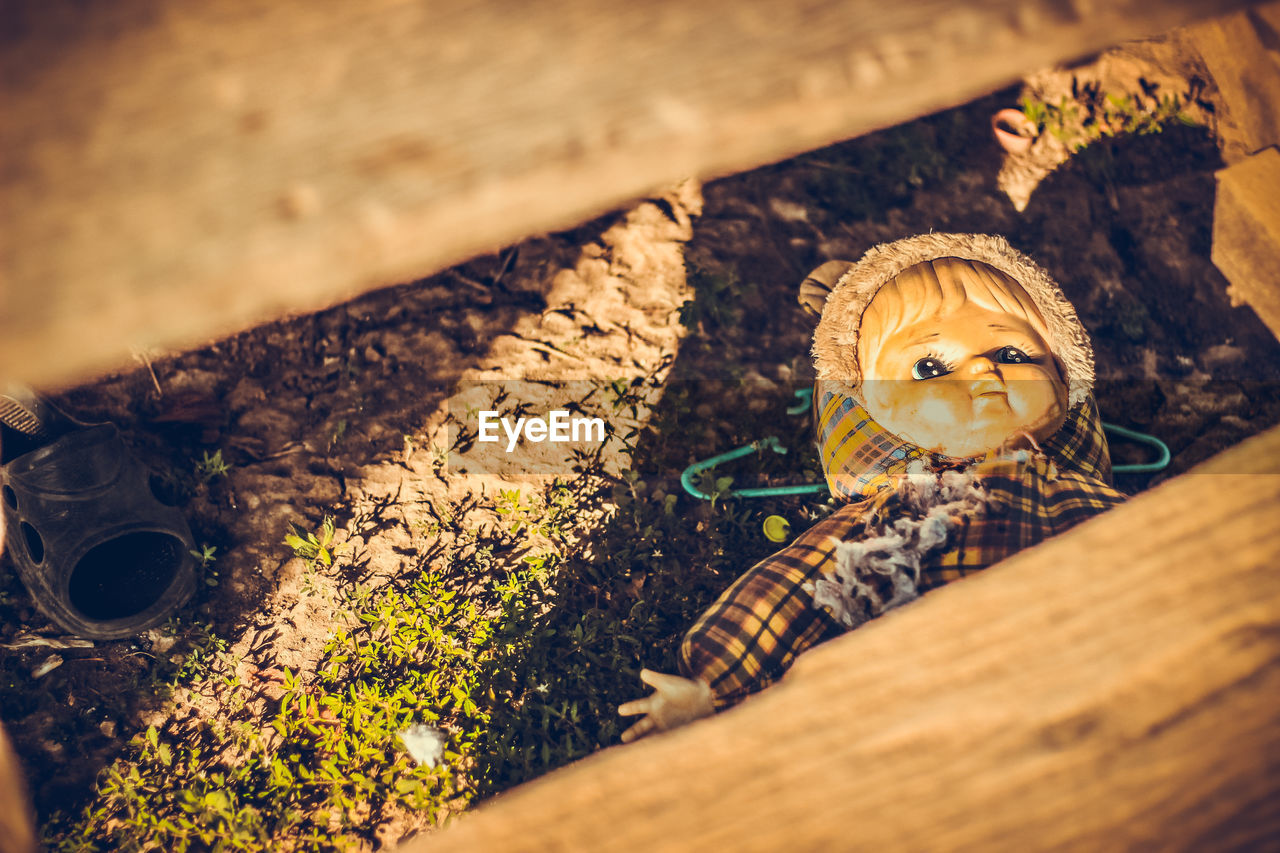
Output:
x=674 y=702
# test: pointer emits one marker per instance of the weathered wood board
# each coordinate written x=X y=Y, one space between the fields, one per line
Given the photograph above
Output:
x=1242 y=52
x=174 y=170
x=1246 y=233
x=1115 y=688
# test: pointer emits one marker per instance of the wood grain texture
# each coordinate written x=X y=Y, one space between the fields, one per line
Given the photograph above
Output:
x=175 y=170
x=1114 y=688
x=1242 y=52
x=1246 y=233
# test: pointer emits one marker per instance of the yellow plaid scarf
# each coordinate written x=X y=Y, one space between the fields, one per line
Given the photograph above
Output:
x=860 y=457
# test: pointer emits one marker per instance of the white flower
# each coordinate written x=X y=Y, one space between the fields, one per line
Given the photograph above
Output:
x=425 y=743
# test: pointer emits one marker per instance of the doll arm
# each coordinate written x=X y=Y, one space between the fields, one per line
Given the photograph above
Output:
x=753 y=632
x=674 y=702
x=751 y=635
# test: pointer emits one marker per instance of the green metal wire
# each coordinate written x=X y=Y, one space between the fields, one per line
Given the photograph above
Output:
x=771 y=443
x=805 y=397
x=1140 y=467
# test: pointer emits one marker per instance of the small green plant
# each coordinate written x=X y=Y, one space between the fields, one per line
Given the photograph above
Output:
x=318 y=548
x=1092 y=114
x=509 y=504
x=209 y=468
x=336 y=434
x=716 y=300
x=206 y=555
x=717 y=487
x=199 y=654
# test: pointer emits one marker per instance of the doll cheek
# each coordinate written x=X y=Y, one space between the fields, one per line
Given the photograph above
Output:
x=937 y=416
x=1036 y=397
x=1042 y=410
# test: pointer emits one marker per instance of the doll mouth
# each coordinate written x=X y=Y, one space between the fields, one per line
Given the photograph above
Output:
x=989 y=401
x=988 y=388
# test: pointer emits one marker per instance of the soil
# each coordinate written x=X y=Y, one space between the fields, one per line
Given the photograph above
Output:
x=337 y=413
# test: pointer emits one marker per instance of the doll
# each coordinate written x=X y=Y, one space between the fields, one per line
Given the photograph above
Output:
x=955 y=421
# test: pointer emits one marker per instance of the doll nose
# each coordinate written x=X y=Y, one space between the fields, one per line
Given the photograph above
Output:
x=980 y=366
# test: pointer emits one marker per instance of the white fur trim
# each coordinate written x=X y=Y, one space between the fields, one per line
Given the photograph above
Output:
x=835 y=343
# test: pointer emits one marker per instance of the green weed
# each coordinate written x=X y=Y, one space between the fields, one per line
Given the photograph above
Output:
x=206 y=555
x=862 y=178
x=319 y=549
x=716 y=302
x=209 y=468
x=1092 y=115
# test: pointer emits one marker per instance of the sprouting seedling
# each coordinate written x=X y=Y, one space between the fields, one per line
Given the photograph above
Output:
x=210 y=467
x=336 y=435
x=319 y=549
x=206 y=554
x=439 y=456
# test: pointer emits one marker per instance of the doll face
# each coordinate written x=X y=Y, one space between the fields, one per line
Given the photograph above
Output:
x=964 y=380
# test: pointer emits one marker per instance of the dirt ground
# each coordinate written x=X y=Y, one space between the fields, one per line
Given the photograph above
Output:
x=345 y=411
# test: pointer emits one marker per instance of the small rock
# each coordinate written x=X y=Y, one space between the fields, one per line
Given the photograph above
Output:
x=196 y=382
x=108 y=728
x=324 y=491
x=1180 y=366
x=1221 y=355
x=555 y=323
x=266 y=422
x=245 y=395
x=160 y=642
x=788 y=210
x=755 y=379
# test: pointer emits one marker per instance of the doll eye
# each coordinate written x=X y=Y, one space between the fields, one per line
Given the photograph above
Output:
x=1012 y=355
x=929 y=368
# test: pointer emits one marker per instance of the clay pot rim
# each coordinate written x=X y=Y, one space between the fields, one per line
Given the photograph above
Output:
x=1014 y=143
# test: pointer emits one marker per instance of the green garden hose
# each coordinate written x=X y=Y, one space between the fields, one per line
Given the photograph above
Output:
x=805 y=396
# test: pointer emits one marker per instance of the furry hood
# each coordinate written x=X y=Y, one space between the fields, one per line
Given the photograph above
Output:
x=835 y=343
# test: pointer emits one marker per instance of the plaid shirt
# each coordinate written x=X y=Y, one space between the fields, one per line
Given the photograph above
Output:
x=755 y=630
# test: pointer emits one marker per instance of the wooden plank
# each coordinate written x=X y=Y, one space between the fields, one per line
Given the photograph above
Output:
x=1116 y=687
x=1242 y=52
x=174 y=170
x=1246 y=233
x=16 y=825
